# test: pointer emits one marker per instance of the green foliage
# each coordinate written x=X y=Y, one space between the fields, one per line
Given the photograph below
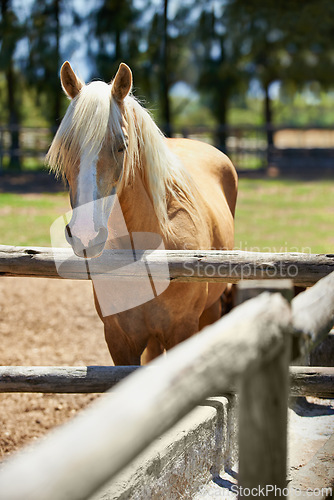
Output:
x=287 y=40
x=250 y=113
x=218 y=48
x=3 y=100
x=305 y=109
x=42 y=66
x=11 y=31
x=219 y=78
x=114 y=28
x=191 y=113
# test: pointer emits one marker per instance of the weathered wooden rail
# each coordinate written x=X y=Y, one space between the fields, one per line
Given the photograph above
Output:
x=304 y=380
x=186 y=265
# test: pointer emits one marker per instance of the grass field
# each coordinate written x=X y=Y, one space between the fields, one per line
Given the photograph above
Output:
x=285 y=215
x=26 y=219
x=272 y=215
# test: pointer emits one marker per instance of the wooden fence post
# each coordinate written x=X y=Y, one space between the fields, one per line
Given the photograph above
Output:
x=263 y=409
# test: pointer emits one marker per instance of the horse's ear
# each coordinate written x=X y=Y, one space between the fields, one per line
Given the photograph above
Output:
x=122 y=83
x=69 y=81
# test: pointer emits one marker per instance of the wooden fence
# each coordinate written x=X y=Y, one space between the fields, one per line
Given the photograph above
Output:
x=304 y=380
x=247 y=351
x=186 y=265
x=22 y=144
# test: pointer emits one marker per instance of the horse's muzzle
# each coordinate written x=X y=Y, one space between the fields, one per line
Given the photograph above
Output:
x=93 y=249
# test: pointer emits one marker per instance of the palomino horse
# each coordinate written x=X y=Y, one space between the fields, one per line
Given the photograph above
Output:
x=181 y=189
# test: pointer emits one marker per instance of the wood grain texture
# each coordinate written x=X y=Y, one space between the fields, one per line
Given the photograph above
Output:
x=313 y=316
x=186 y=265
x=81 y=456
x=312 y=381
x=62 y=379
x=304 y=380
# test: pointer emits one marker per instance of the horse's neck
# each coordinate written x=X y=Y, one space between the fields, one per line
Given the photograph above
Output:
x=137 y=208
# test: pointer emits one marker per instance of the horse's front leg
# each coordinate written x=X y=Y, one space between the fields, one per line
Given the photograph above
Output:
x=124 y=348
x=153 y=350
x=182 y=330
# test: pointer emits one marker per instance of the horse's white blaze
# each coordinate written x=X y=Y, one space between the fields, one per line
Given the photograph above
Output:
x=84 y=224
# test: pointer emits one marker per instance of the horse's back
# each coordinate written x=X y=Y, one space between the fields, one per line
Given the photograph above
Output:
x=215 y=178
x=210 y=168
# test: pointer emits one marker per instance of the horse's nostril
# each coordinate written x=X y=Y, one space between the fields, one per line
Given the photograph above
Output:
x=68 y=234
x=68 y=231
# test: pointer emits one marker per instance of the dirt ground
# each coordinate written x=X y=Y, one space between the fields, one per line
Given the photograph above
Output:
x=45 y=322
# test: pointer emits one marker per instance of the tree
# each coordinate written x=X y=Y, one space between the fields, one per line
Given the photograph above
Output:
x=45 y=28
x=287 y=41
x=121 y=33
x=167 y=57
x=256 y=27
x=11 y=31
x=158 y=62
x=114 y=36
x=217 y=57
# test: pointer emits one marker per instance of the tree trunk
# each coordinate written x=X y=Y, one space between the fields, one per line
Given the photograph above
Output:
x=221 y=132
x=268 y=116
x=165 y=84
x=118 y=50
x=13 y=121
x=13 y=115
x=58 y=92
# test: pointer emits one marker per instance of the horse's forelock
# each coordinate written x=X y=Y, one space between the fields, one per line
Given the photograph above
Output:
x=84 y=127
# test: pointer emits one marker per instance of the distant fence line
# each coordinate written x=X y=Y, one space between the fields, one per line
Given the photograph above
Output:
x=293 y=148
x=29 y=143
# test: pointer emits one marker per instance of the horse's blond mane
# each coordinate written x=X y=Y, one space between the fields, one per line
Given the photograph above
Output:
x=84 y=128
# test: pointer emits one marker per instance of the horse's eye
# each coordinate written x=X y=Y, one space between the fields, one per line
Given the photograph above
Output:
x=122 y=146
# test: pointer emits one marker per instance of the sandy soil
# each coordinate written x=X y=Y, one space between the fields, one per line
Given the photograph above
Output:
x=45 y=322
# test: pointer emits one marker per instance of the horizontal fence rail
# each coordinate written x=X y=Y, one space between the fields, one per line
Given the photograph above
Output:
x=312 y=381
x=304 y=380
x=184 y=265
x=62 y=379
x=75 y=460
